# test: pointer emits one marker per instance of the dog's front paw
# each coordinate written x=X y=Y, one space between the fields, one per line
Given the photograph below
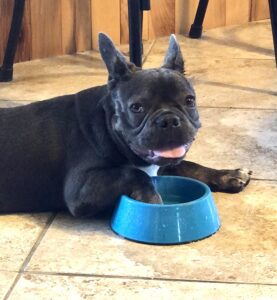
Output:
x=234 y=181
x=148 y=197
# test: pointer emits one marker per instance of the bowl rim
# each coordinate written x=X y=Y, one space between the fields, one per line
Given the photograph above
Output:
x=183 y=204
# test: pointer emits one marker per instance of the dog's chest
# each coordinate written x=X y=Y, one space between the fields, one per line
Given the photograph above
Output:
x=151 y=170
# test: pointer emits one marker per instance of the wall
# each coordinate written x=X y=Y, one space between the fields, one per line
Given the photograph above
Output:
x=54 y=27
x=50 y=27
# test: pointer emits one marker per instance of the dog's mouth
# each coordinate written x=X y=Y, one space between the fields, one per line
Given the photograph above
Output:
x=154 y=156
x=172 y=153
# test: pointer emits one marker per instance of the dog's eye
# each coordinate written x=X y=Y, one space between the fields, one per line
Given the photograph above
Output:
x=190 y=101
x=136 y=108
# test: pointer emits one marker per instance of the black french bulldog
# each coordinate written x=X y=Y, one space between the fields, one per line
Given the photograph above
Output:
x=81 y=152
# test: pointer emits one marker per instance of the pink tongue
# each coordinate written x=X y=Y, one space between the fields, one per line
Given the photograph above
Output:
x=173 y=153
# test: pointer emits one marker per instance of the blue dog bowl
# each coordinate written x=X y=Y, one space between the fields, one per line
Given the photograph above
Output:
x=188 y=213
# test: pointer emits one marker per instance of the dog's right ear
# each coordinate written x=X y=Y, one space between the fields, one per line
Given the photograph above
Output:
x=118 y=67
x=173 y=58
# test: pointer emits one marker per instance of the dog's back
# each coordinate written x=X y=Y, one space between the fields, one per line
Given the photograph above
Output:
x=32 y=154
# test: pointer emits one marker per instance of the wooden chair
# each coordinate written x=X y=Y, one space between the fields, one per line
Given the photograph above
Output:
x=273 y=17
x=135 y=13
x=6 y=70
x=197 y=26
x=135 y=25
x=135 y=9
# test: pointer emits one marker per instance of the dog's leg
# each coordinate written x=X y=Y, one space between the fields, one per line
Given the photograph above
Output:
x=230 y=181
x=88 y=192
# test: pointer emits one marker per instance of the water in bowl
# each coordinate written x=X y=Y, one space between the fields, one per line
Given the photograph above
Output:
x=178 y=190
x=173 y=199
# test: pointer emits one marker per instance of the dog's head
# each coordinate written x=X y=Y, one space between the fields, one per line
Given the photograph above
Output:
x=154 y=110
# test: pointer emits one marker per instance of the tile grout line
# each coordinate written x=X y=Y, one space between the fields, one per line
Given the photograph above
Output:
x=30 y=254
x=148 y=52
x=233 y=58
x=143 y=278
x=198 y=106
x=263 y=179
x=225 y=58
x=239 y=108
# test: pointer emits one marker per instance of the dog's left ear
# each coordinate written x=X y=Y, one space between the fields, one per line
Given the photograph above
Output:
x=118 y=67
x=173 y=59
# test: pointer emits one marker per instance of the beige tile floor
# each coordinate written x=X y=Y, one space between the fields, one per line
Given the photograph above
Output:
x=46 y=256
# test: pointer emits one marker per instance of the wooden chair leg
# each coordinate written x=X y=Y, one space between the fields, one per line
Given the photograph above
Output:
x=134 y=17
x=273 y=17
x=6 y=70
x=135 y=13
x=197 y=26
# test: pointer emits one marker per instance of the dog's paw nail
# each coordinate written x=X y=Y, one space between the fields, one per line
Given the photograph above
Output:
x=244 y=174
x=244 y=170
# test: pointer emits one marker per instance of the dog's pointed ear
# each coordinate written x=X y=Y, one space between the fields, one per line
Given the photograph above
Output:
x=116 y=63
x=173 y=59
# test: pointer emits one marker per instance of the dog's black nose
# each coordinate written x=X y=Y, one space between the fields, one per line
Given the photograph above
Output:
x=168 y=121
